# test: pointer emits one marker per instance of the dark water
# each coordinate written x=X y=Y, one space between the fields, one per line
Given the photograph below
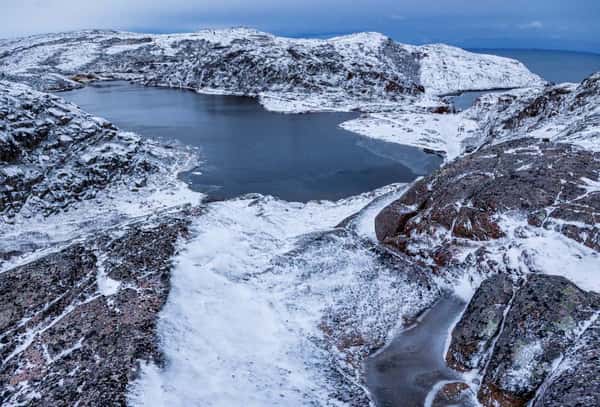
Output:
x=404 y=372
x=245 y=148
x=553 y=66
x=466 y=99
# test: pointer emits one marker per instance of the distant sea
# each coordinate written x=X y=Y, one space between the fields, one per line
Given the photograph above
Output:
x=554 y=66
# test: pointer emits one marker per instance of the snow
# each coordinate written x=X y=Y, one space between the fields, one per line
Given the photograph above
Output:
x=73 y=58
x=446 y=69
x=291 y=105
x=244 y=313
x=519 y=374
x=438 y=132
x=364 y=223
x=106 y=285
x=552 y=253
x=465 y=285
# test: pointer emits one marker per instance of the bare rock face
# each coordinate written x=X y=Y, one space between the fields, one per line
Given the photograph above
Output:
x=454 y=394
x=75 y=323
x=472 y=337
x=548 y=183
x=518 y=342
x=575 y=381
x=544 y=320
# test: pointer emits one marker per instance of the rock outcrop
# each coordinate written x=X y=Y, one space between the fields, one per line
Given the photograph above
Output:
x=575 y=380
x=522 y=345
x=53 y=155
x=522 y=206
x=552 y=185
x=543 y=322
x=474 y=334
x=76 y=323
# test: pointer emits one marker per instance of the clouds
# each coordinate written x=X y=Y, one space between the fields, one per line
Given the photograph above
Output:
x=532 y=25
x=461 y=22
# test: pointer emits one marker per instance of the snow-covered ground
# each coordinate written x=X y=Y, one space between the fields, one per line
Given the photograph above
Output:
x=445 y=133
x=270 y=302
x=446 y=69
x=534 y=250
x=250 y=295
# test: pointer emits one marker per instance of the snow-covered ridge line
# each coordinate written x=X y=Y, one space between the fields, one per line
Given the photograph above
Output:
x=358 y=71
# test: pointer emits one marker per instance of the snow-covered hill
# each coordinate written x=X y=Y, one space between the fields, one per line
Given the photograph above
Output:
x=293 y=297
x=359 y=71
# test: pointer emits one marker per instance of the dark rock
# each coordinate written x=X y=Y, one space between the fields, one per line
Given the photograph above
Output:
x=392 y=219
x=454 y=394
x=480 y=323
x=575 y=381
x=466 y=197
x=65 y=341
x=544 y=320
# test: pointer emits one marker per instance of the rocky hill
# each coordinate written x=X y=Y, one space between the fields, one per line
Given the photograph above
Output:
x=96 y=230
x=359 y=71
x=521 y=207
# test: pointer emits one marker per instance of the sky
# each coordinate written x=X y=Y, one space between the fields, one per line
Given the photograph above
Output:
x=545 y=24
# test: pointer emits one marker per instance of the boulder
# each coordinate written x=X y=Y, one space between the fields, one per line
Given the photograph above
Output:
x=474 y=334
x=545 y=318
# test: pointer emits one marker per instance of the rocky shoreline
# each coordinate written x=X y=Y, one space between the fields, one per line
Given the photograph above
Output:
x=92 y=218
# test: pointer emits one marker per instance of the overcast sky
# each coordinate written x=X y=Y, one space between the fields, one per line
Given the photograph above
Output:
x=551 y=24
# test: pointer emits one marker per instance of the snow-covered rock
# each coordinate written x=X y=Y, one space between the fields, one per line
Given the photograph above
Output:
x=566 y=113
x=523 y=205
x=305 y=290
x=66 y=340
x=515 y=336
x=360 y=71
x=446 y=69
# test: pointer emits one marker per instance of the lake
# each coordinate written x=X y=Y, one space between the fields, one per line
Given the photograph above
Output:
x=244 y=148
